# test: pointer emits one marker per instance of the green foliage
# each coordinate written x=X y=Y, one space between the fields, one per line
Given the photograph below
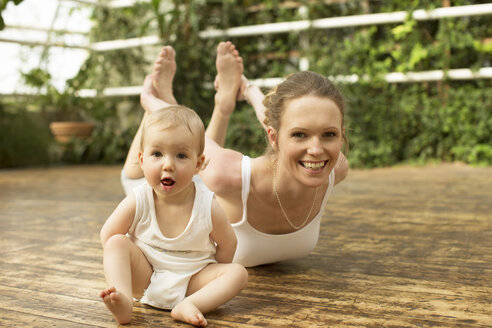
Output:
x=3 y=5
x=55 y=105
x=24 y=139
x=37 y=78
x=386 y=123
x=417 y=122
x=112 y=134
x=245 y=133
x=412 y=124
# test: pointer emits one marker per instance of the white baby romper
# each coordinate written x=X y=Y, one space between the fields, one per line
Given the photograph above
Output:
x=174 y=260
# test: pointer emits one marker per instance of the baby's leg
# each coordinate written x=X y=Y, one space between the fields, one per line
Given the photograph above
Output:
x=208 y=289
x=229 y=70
x=163 y=74
x=127 y=273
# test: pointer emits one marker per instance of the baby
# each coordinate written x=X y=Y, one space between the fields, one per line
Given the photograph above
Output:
x=169 y=243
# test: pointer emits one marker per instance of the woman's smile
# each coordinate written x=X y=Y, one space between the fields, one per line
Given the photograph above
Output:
x=315 y=166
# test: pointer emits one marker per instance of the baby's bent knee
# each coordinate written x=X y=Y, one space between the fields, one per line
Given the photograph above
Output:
x=117 y=241
x=240 y=273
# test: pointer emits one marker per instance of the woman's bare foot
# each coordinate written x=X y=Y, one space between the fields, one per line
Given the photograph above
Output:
x=148 y=98
x=119 y=304
x=229 y=70
x=163 y=74
x=188 y=312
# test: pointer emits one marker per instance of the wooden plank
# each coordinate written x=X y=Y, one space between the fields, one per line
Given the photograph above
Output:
x=399 y=247
x=21 y=319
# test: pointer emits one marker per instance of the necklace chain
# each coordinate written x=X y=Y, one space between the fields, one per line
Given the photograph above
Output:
x=280 y=204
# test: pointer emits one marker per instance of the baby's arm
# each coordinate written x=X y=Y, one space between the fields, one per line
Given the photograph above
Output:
x=120 y=221
x=223 y=234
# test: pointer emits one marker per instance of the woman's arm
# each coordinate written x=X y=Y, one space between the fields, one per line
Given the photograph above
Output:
x=341 y=168
x=120 y=221
x=223 y=235
x=253 y=95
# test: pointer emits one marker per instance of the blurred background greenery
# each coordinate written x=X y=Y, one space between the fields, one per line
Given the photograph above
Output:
x=387 y=123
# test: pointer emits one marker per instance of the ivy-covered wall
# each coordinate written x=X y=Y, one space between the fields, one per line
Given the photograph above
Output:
x=387 y=123
x=390 y=123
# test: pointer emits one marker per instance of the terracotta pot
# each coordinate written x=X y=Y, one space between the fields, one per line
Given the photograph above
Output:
x=64 y=131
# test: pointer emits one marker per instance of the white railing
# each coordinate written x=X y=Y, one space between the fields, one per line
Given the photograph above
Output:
x=328 y=23
x=350 y=21
x=35 y=43
x=302 y=25
x=286 y=27
x=437 y=75
x=114 y=4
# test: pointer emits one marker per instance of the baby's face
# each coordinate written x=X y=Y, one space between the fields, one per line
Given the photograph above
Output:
x=170 y=159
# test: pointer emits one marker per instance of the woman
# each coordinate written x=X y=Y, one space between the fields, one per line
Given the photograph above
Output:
x=275 y=202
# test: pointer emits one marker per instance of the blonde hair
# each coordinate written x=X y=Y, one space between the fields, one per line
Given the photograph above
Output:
x=298 y=85
x=176 y=116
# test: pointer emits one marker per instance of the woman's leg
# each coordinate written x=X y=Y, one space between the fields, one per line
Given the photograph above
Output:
x=127 y=274
x=163 y=75
x=208 y=289
x=229 y=70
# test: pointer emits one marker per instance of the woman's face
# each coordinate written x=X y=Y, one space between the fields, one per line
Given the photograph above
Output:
x=309 y=139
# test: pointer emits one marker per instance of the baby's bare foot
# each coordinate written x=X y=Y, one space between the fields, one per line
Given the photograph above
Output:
x=229 y=70
x=163 y=74
x=188 y=312
x=119 y=304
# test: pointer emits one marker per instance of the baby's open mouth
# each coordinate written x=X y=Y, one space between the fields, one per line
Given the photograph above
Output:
x=167 y=182
x=313 y=165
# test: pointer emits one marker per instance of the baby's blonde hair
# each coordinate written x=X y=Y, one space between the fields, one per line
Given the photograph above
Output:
x=176 y=116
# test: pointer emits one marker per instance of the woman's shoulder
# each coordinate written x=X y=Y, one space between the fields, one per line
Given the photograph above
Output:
x=261 y=167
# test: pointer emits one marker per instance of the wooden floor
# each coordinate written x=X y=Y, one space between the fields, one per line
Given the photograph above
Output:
x=399 y=247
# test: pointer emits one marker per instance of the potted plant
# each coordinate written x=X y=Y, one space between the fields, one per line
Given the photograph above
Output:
x=64 y=109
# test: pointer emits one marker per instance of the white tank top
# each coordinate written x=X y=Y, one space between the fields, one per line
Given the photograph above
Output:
x=189 y=251
x=255 y=247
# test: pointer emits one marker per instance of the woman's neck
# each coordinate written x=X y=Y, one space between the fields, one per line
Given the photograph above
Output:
x=290 y=189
